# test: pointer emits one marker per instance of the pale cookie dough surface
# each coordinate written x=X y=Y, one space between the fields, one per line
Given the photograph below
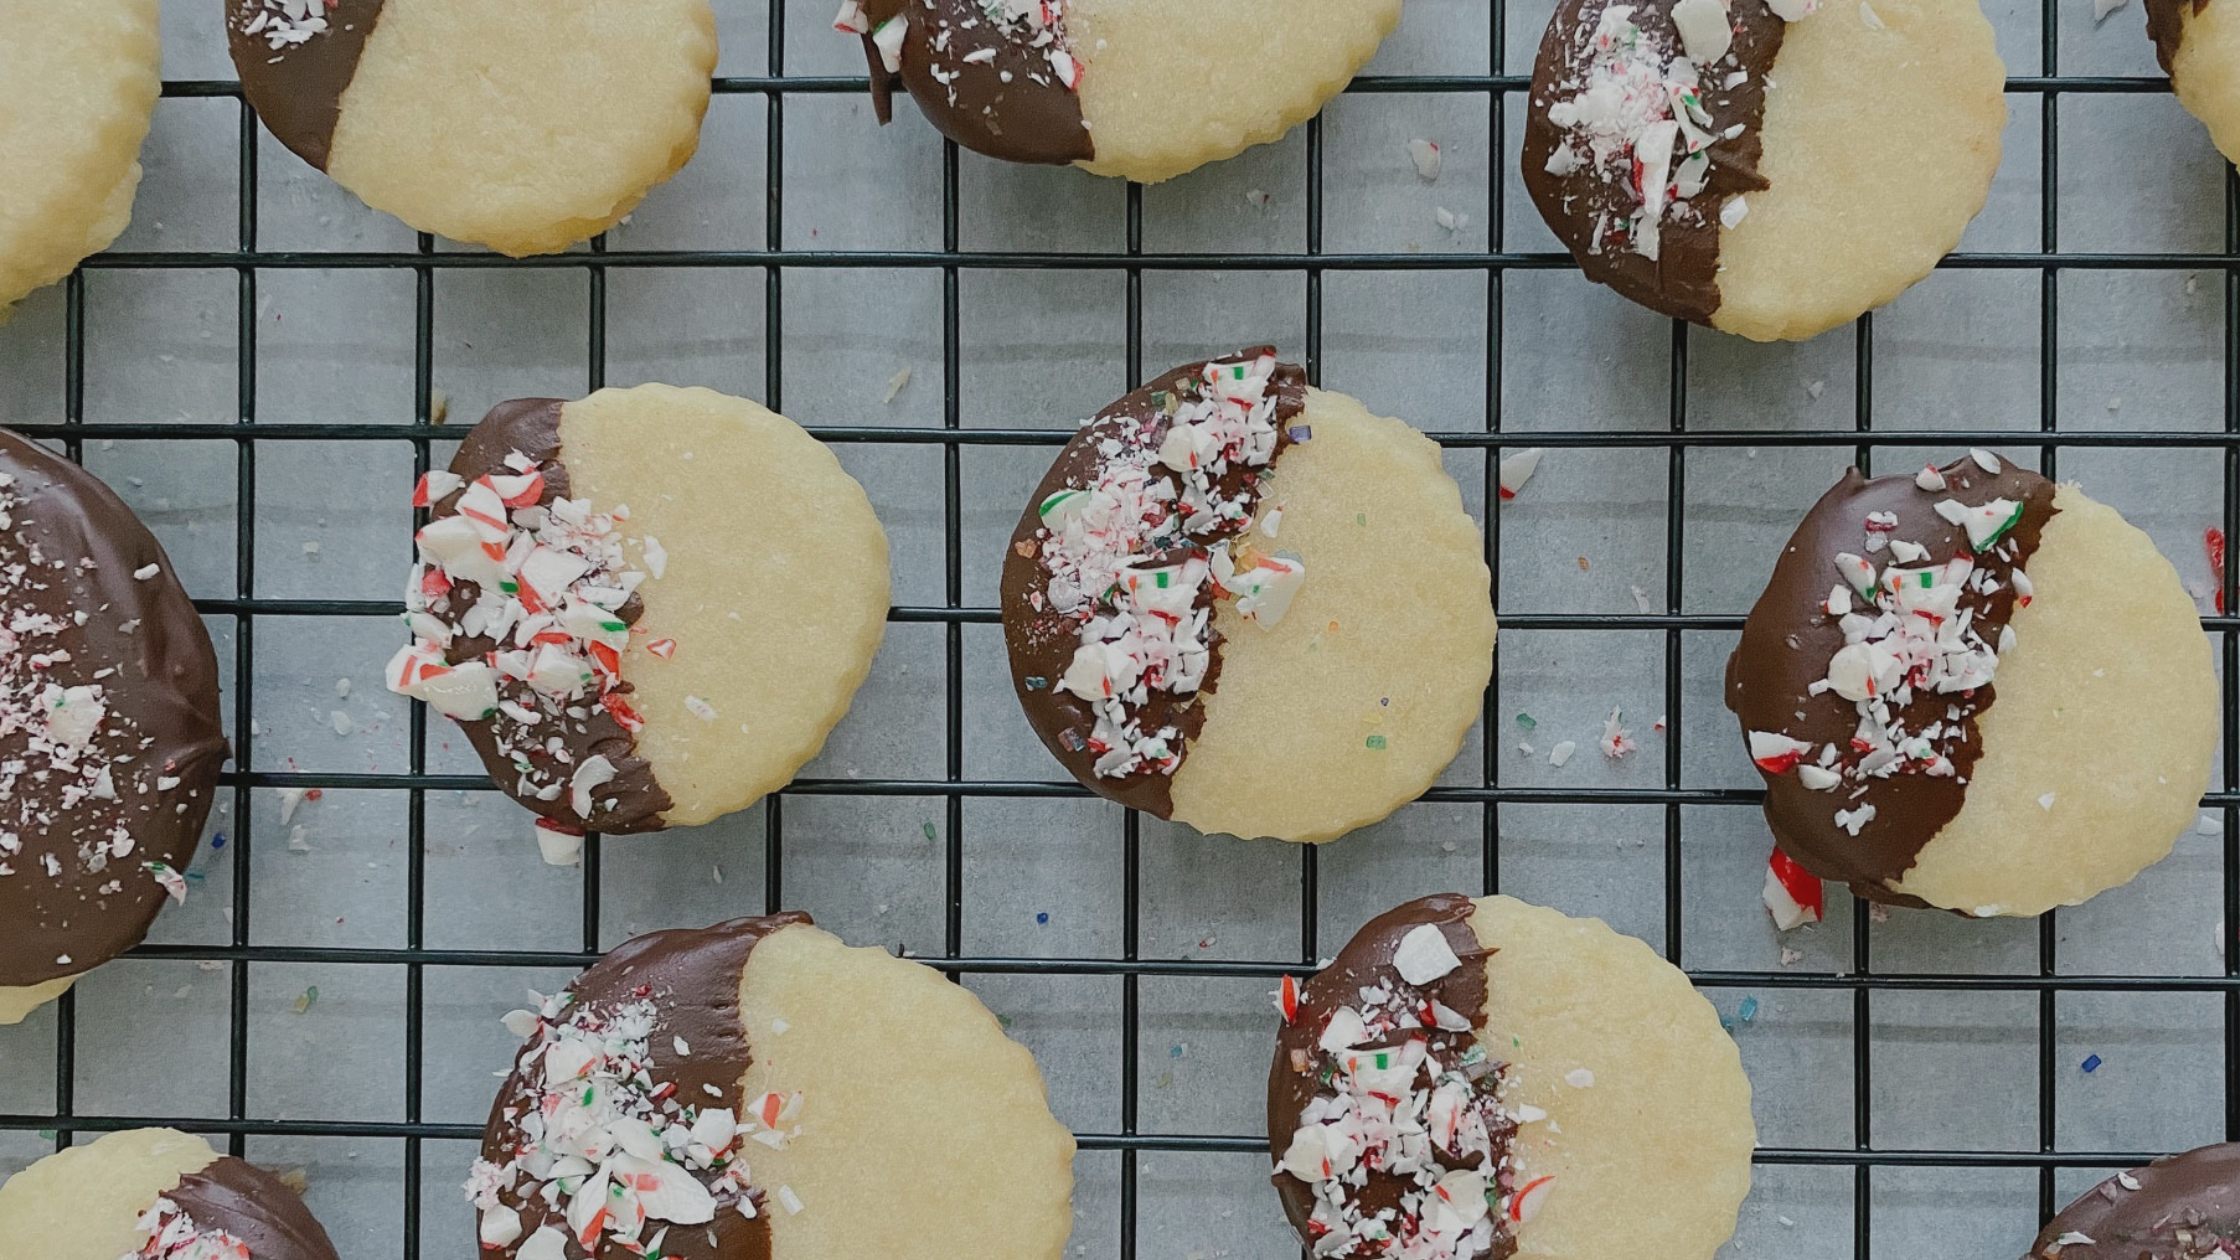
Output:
x=1397 y=606
x=1657 y=1147
x=2107 y=701
x=2206 y=71
x=78 y=84
x=1880 y=145
x=85 y=1203
x=523 y=129
x=1169 y=85
x=925 y=1131
x=775 y=586
x=17 y=1003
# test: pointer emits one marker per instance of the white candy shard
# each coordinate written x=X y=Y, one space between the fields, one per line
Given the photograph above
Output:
x=1704 y=29
x=1423 y=955
x=1517 y=469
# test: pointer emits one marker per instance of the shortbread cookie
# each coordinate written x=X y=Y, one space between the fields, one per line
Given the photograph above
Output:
x=1493 y=1078
x=525 y=130
x=647 y=608
x=1249 y=606
x=2198 y=43
x=110 y=740
x=1970 y=688
x=1141 y=89
x=2176 y=1208
x=78 y=84
x=759 y=1091
x=1772 y=168
x=155 y=1194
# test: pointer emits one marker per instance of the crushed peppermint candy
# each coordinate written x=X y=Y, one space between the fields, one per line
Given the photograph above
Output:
x=1037 y=26
x=174 y=1235
x=283 y=24
x=611 y=1152
x=1135 y=561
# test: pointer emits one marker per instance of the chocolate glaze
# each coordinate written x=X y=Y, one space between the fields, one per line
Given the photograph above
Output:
x=1789 y=638
x=1042 y=643
x=1684 y=280
x=297 y=90
x=634 y=801
x=1010 y=107
x=73 y=548
x=2197 y=1193
x=2166 y=26
x=255 y=1207
x=692 y=977
x=1366 y=961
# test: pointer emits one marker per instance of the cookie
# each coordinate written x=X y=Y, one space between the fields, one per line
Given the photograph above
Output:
x=646 y=608
x=158 y=1194
x=1562 y=1092
x=523 y=130
x=759 y=1090
x=1140 y=89
x=78 y=85
x=110 y=736
x=2180 y=1207
x=1248 y=605
x=1970 y=688
x=1772 y=168
x=2198 y=43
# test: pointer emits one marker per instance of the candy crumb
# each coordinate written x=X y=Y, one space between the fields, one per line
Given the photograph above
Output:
x=1579 y=1078
x=1427 y=158
x=2091 y=1063
x=2046 y=802
x=894 y=385
x=2210 y=825
x=1562 y=753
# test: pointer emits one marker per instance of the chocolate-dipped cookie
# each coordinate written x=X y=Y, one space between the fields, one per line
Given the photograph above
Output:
x=1771 y=168
x=78 y=85
x=2180 y=1207
x=1489 y=1078
x=1970 y=688
x=155 y=1194
x=111 y=742
x=1141 y=89
x=758 y=1090
x=2198 y=44
x=526 y=131
x=1249 y=605
x=646 y=608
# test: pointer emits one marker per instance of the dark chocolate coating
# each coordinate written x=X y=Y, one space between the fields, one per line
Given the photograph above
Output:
x=1789 y=638
x=2166 y=26
x=692 y=977
x=1042 y=643
x=634 y=801
x=255 y=1207
x=2197 y=1193
x=1366 y=961
x=1031 y=117
x=1684 y=280
x=297 y=90
x=72 y=548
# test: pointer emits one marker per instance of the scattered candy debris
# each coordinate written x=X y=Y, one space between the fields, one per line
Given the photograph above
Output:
x=1527 y=721
x=1747 y=1012
x=894 y=386
x=2213 y=539
x=1042 y=918
x=1561 y=753
x=1791 y=957
x=559 y=845
x=1579 y=1078
x=1617 y=741
x=700 y=708
x=2209 y=825
x=1873 y=22
x=1375 y=743
x=296 y=840
x=1641 y=603
x=1452 y=220
x=306 y=999
x=2091 y=1063
x=1428 y=159
x=1517 y=469
x=174 y=1235
x=1791 y=894
x=1258 y=198
x=2046 y=802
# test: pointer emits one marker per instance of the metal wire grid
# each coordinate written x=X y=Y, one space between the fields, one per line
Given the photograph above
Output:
x=1500 y=91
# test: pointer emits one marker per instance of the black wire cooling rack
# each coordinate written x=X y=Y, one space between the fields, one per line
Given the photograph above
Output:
x=1501 y=94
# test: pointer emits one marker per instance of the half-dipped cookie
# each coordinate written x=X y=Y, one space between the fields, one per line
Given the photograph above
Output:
x=1491 y=1078
x=525 y=130
x=2180 y=1207
x=1248 y=605
x=1141 y=89
x=2198 y=44
x=1771 y=168
x=759 y=1091
x=1970 y=688
x=646 y=608
x=110 y=739
x=155 y=1194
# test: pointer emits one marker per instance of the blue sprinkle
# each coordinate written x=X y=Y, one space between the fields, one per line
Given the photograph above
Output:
x=217 y=841
x=1747 y=1011
x=2091 y=1063
x=1174 y=1052
x=193 y=877
x=1037 y=682
x=1042 y=916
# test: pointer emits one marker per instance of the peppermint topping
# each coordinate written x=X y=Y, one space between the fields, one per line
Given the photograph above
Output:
x=1036 y=25
x=1138 y=558
x=543 y=580
x=284 y=23
x=173 y=1235
x=1406 y=1092
x=607 y=1145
